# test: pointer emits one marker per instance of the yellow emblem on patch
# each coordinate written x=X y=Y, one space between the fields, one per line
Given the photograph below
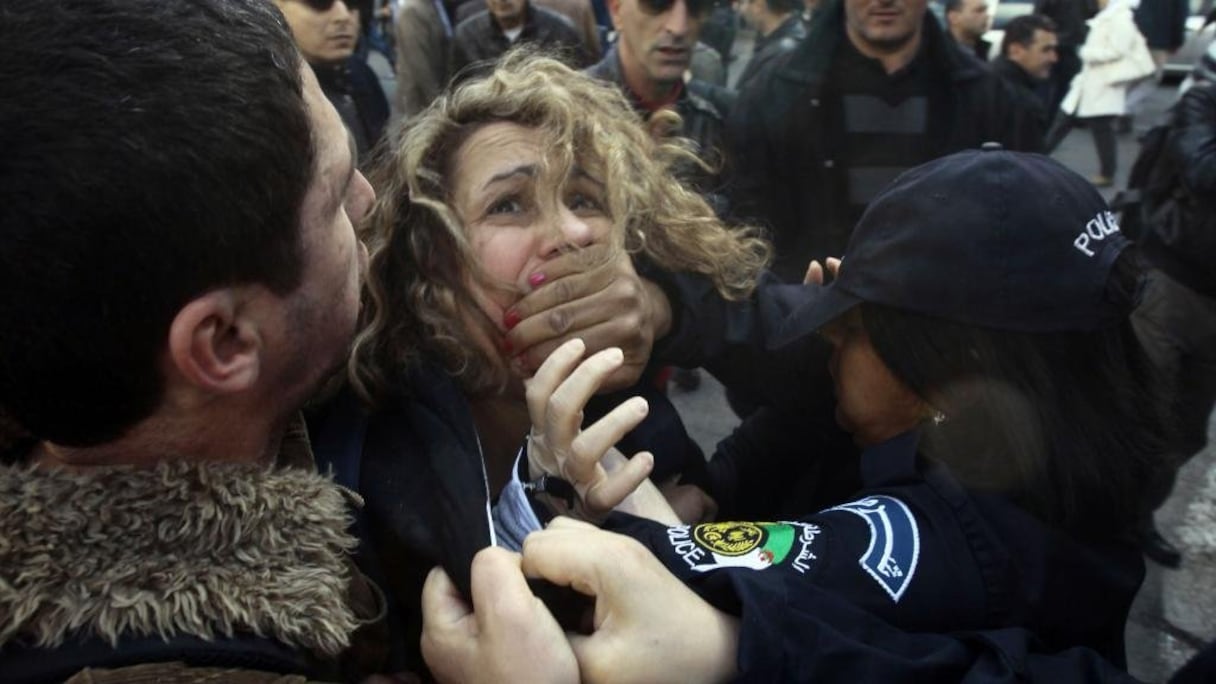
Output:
x=729 y=538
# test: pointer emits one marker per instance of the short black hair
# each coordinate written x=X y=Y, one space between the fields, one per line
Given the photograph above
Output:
x=1021 y=30
x=1069 y=425
x=784 y=6
x=952 y=6
x=152 y=150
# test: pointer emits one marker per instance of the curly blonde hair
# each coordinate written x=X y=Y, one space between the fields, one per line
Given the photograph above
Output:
x=419 y=300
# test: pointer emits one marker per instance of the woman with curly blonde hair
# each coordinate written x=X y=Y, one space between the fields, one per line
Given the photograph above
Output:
x=510 y=182
x=433 y=291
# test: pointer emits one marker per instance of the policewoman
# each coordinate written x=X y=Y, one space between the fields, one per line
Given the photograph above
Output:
x=984 y=364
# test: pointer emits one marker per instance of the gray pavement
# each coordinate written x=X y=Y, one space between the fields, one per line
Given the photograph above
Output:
x=1175 y=612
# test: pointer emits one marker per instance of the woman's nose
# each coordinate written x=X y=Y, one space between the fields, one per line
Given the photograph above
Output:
x=568 y=231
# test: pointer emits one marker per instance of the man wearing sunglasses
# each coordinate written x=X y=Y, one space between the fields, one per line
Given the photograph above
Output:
x=652 y=53
x=327 y=31
x=875 y=88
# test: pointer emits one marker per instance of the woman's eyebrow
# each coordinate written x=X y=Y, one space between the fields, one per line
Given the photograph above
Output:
x=523 y=169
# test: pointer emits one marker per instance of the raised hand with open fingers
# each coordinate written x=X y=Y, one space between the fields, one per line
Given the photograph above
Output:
x=559 y=445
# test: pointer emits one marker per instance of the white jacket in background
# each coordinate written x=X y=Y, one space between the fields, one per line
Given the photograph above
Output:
x=1114 y=55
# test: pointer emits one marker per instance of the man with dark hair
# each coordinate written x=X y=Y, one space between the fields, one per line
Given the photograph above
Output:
x=1028 y=53
x=178 y=273
x=967 y=21
x=487 y=35
x=1071 y=17
x=326 y=32
x=876 y=88
x=778 y=27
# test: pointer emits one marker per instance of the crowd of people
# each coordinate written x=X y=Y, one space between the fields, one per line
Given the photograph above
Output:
x=303 y=382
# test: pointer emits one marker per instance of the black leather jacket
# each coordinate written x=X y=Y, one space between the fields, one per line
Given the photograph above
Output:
x=1186 y=248
x=354 y=90
x=1023 y=86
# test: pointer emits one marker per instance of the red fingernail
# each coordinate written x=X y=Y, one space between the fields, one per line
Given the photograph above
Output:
x=536 y=279
x=510 y=319
x=506 y=346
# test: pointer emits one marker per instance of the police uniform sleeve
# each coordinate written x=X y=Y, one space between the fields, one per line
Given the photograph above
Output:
x=804 y=618
x=730 y=339
x=825 y=639
x=895 y=553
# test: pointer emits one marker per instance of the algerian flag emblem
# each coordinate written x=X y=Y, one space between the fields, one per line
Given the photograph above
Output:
x=743 y=544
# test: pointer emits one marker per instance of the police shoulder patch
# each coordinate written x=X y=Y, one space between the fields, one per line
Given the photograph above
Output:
x=894 y=541
x=752 y=545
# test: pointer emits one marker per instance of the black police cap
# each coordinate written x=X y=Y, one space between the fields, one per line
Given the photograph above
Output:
x=992 y=238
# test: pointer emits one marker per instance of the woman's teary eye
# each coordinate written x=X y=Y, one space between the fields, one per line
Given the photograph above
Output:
x=506 y=205
x=584 y=201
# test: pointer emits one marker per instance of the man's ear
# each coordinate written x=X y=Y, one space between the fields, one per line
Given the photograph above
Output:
x=614 y=11
x=214 y=346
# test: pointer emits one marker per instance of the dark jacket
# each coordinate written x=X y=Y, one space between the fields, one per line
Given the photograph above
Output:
x=783 y=39
x=479 y=39
x=417 y=462
x=980 y=50
x=1186 y=246
x=1023 y=87
x=786 y=137
x=1163 y=23
x=355 y=92
x=1070 y=17
x=912 y=548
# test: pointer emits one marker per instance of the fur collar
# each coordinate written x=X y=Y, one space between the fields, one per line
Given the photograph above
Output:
x=180 y=549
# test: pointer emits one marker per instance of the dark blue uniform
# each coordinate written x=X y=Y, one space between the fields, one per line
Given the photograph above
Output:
x=919 y=552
